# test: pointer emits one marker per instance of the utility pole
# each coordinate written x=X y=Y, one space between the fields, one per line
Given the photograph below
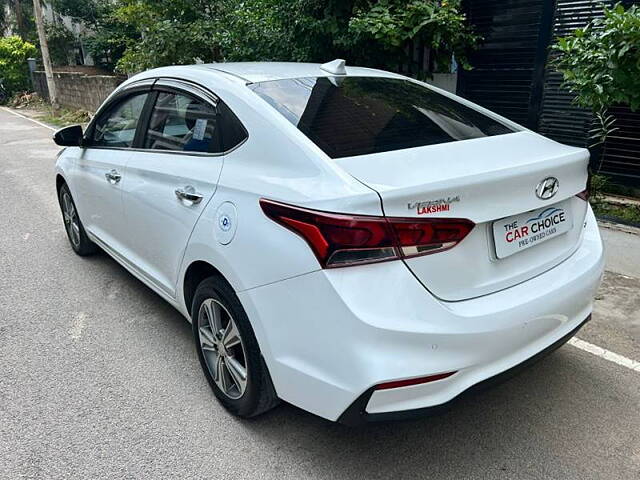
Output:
x=46 y=59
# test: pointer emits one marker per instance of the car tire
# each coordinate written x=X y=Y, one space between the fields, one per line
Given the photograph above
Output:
x=215 y=311
x=73 y=226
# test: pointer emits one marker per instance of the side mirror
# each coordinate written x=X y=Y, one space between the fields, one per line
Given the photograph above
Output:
x=69 y=136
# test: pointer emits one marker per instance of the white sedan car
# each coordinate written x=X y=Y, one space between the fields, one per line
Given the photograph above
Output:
x=352 y=241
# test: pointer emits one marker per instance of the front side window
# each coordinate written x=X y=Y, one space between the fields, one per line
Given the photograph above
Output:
x=117 y=126
x=181 y=123
x=348 y=116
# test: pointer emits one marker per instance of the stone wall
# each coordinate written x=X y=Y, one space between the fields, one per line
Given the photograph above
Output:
x=78 y=90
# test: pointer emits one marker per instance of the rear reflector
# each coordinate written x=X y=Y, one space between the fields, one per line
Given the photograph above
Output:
x=340 y=240
x=413 y=381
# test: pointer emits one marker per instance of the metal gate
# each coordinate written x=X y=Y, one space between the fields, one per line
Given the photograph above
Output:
x=513 y=77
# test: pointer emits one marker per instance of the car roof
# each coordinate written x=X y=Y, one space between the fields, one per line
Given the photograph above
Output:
x=251 y=72
x=243 y=73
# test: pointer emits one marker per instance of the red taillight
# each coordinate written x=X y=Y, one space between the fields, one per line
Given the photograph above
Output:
x=584 y=195
x=430 y=235
x=413 y=381
x=339 y=240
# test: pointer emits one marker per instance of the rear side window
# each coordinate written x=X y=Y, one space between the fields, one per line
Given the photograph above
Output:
x=233 y=133
x=117 y=126
x=352 y=116
x=181 y=123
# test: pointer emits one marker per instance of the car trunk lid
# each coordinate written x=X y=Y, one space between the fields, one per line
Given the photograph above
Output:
x=486 y=180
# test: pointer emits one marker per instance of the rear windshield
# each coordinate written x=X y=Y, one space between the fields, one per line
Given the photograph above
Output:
x=351 y=116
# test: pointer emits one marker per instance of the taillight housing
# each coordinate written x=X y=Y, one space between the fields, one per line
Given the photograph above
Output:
x=340 y=240
x=583 y=195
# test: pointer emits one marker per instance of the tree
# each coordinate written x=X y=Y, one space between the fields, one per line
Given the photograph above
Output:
x=21 y=21
x=393 y=25
x=85 y=11
x=17 y=7
x=134 y=35
x=367 y=32
x=61 y=42
x=107 y=37
x=601 y=64
x=171 y=32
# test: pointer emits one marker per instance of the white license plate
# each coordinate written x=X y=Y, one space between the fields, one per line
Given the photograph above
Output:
x=517 y=233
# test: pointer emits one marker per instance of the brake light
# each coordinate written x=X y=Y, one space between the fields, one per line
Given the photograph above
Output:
x=339 y=240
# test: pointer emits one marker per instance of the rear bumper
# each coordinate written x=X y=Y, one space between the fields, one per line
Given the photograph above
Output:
x=328 y=337
x=357 y=413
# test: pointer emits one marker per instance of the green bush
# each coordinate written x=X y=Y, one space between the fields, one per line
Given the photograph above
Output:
x=14 y=71
x=439 y=25
x=601 y=62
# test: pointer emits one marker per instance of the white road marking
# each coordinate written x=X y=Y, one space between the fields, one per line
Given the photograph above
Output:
x=605 y=354
x=79 y=322
x=26 y=236
x=27 y=118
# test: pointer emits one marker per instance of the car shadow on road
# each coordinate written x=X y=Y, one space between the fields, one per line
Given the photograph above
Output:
x=507 y=431
x=500 y=432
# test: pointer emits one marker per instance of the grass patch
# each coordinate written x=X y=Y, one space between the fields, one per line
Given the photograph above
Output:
x=64 y=117
x=627 y=214
x=36 y=107
x=622 y=190
x=601 y=185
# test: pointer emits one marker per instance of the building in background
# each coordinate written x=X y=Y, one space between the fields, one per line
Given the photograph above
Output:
x=79 y=54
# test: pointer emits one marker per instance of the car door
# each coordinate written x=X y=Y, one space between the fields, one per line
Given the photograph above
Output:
x=98 y=176
x=171 y=178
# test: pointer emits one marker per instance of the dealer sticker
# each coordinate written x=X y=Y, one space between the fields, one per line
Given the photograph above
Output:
x=517 y=233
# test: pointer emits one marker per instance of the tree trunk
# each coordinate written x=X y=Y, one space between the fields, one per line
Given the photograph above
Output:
x=46 y=59
x=17 y=8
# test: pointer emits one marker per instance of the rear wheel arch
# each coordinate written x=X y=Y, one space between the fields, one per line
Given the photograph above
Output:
x=198 y=271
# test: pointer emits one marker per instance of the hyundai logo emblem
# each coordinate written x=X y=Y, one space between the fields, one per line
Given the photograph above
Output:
x=547 y=188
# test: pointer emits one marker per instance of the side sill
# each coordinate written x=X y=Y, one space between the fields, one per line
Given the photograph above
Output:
x=134 y=271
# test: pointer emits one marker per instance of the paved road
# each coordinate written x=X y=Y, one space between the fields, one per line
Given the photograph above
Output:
x=99 y=378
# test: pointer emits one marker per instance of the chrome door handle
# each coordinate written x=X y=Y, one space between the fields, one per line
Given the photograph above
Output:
x=113 y=176
x=189 y=194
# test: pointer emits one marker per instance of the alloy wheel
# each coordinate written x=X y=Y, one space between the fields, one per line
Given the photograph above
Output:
x=71 y=221
x=222 y=348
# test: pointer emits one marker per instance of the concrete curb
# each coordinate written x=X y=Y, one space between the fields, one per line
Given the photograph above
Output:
x=619 y=227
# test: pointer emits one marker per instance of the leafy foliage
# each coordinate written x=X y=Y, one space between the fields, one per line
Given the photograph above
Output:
x=438 y=25
x=603 y=127
x=258 y=29
x=26 y=28
x=171 y=32
x=150 y=33
x=13 y=63
x=601 y=63
x=134 y=35
x=61 y=42
x=4 y=18
x=86 y=11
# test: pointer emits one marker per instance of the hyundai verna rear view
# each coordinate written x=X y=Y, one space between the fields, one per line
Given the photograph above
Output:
x=352 y=241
